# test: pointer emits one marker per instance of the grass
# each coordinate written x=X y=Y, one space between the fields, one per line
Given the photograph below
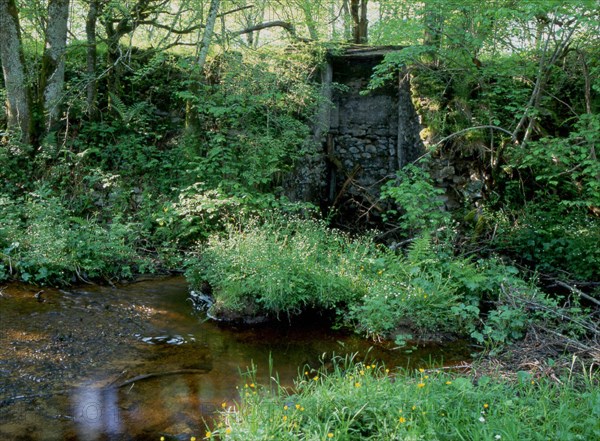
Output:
x=355 y=401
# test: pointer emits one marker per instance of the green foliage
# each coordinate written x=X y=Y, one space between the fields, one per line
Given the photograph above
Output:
x=426 y=290
x=565 y=168
x=419 y=201
x=252 y=120
x=353 y=400
x=42 y=242
x=282 y=265
x=288 y=265
x=553 y=238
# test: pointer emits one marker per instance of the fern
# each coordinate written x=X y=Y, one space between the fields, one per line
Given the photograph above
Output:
x=132 y=113
x=421 y=251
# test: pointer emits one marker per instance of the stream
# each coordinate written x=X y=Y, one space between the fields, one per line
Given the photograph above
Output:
x=138 y=363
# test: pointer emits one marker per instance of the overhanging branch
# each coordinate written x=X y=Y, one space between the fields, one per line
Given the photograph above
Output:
x=290 y=28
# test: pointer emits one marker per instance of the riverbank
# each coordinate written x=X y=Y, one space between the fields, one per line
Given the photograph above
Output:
x=137 y=362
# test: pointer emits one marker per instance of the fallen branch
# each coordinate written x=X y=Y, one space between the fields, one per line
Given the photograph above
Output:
x=577 y=291
x=156 y=375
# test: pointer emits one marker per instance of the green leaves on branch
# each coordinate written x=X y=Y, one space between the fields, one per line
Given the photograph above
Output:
x=419 y=205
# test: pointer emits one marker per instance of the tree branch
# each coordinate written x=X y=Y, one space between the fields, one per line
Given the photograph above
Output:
x=290 y=28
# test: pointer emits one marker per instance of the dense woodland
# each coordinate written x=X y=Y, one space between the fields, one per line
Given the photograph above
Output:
x=151 y=136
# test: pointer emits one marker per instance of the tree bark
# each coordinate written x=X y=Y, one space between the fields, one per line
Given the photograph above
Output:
x=91 y=58
x=208 y=32
x=358 y=11
x=53 y=62
x=18 y=103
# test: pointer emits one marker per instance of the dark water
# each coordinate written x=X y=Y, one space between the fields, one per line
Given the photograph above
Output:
x=67 y=364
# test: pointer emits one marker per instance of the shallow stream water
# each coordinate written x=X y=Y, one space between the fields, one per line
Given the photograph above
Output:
x=136 y=362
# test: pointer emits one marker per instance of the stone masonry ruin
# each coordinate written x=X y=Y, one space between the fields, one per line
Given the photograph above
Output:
x=360 y=139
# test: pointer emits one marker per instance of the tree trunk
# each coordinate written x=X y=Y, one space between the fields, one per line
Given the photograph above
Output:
x=309 y=20
x=91 y=58
x=358 y=11
x=434 y=23
x=53 y=62
x=18 y=103
x=208 y=32
x=190 y=113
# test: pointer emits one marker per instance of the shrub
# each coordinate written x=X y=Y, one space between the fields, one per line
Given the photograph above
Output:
x=42 y=242
x=419 y=201
x=282 y=265
x=552 y=238
x=419 y=291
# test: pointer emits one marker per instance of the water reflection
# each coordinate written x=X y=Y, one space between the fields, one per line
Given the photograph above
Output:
x=96 y=412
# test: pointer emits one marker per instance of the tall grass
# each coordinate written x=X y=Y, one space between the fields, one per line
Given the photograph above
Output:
x=364 y=401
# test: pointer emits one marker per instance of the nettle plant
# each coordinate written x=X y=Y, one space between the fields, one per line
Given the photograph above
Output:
x=418 y=200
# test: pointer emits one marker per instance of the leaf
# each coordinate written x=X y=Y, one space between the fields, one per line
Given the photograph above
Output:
x=524 y=376
x=462 y=384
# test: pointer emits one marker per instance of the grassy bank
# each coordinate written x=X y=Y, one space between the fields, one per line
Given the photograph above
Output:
x=354 y=400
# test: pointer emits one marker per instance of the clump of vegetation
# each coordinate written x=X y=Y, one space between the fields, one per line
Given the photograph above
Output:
x=42 y=242
x=360 y=400
x=284 y=265
x=288 y=265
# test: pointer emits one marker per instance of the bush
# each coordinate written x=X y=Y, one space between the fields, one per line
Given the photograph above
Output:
x=421 y=209
x=282 y=265
x=553 y=239
x=288 y=265
x=42 y=242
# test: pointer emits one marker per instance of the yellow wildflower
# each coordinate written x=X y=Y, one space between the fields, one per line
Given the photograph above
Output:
x=421 y=370
x=228 y=431
x=486 y=405
x=448 y=382
x=330 y=435
x=297 y=406
x=223 y=405
x=285 y=407
x=357 y=384
x=402 y=420
x=208 y=434
x=316 y=378
x=285 y=418
x=421 y=385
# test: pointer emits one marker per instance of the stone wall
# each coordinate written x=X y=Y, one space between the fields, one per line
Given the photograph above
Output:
x=361 y=138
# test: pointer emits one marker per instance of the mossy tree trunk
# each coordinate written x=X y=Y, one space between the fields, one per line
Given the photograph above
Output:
x=52 y=76
x=91 y=59
x=358 y=11
x=18 y=103
x=191 y=114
